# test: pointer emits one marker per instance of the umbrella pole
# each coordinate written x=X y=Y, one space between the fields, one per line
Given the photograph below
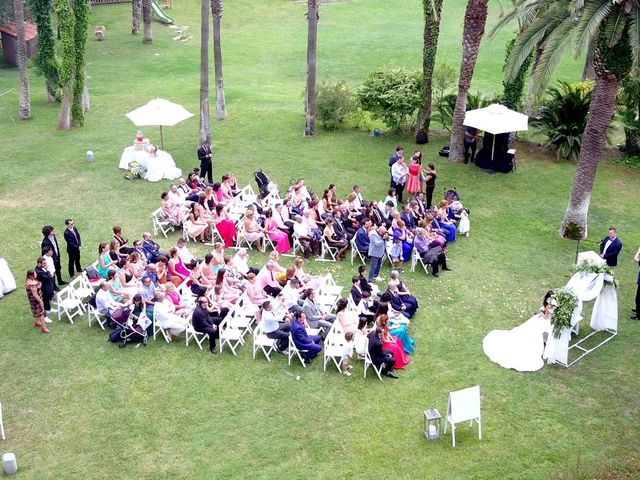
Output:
x=161 y=139
x=493 y=145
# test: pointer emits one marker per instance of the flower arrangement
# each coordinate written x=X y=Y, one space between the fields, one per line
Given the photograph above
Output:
x=590 y=267
x=561 y=318
x=135 y=170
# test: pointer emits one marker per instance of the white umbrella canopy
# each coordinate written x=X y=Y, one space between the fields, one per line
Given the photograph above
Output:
x=496 y=119
x=159 y=112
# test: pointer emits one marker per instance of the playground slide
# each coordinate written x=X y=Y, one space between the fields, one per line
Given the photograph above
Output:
x=163 y=17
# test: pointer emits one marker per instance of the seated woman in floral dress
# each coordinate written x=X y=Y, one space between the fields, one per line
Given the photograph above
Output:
x=171 y=210
x=252 y=231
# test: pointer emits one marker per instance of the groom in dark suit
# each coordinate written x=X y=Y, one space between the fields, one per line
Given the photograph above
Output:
x=205 y=157
x=610 y=247
x=74 y=243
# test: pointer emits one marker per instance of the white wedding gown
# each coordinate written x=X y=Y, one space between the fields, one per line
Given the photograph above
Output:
x=521 y=348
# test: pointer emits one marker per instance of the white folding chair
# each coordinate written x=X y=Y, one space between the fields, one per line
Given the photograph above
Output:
x=262 y=342
x=232 y=337
x=368 y=363
x=463 y=405
x=297 y=245
x=160 y=224
x=1 y=424
x=335 y=346
x=242 y=239
x=191 y=334
x=94 y=314
x=67 y=304
x=295 y=352
x=356 y=253
x=80 y=290
x=415 y=259
x=157 y=328
x=215 y=236
x=326 y=249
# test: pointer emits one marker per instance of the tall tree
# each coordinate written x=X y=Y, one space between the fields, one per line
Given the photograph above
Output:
x=614 y=27
x=41 y=10
x=221 y=106
x=67 y=65
x=475 y=18
x=81 y=24
x=146 y=19
x=313 y=15
x=24 y=102
x=432 y=12
x=136 y=12
x=205 y=127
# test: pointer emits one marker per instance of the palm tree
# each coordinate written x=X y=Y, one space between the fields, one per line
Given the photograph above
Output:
x=313 y=16
x=475 y=18
x=24 y=102
x=221 y=107
x=146 y=19
x=613 y=26
x=432 y=13
x=205 y=128
x=136 y=11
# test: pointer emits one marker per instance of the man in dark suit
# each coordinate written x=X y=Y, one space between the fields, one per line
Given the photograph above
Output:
x=610 y=247
x=51 y=241
x=205 y=156
x=47 y=281
x=74 y=243
x=304 y=341
x=636 y=310
x=151 y=248
x=380 y=356
x=206 y=321
x=356 y=291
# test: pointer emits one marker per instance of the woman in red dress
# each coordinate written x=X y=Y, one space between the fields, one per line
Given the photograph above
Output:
x=414 y=185
x=392 y=343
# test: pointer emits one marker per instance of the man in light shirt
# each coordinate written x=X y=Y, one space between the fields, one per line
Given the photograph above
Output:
x=276 y=325
x=302 y=233
x=399 y=174
x=188 y=260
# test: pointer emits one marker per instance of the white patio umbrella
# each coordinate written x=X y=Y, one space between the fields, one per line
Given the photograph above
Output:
x=496 y=119
x=159 y=112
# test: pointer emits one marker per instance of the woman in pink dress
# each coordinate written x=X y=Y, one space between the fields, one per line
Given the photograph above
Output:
x=414 y=185
x=196 y=226
x=392 y=343
x=275 y=234
x=171 y=210
x=226 y=228
x=176 y=269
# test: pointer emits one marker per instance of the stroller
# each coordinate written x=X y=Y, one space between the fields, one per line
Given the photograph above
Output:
x=452 y=195
x=128 y=329
x=264 y=184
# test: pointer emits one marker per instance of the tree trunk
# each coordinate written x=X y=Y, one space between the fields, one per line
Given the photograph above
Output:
x=475 y=18
x=136 y=11
x=86 y=99
x=603 y=104
x=221 y=105
x=588 y=73
x=312 y=40
x=64 y=119
x=146 y=18
x=429 y=48
x=24 y=102
x=205 y=128
x=41 y=10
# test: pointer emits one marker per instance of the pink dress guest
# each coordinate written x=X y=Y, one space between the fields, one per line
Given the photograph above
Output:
x=277 y=235
x=413 y=182
x=226 y=228
x=395 y=345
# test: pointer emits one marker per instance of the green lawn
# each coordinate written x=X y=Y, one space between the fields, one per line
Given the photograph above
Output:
x=78 y=407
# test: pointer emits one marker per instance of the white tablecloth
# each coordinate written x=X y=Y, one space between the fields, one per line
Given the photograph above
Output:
x=158 y=167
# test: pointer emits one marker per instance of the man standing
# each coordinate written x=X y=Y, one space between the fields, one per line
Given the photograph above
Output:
x=74 y=243
x=399 y=153
x=399 y=174
x=610 y=247
x=377 y=250
x=51 y=241
x=637 y=309
x=206 y=165
x=470 y=139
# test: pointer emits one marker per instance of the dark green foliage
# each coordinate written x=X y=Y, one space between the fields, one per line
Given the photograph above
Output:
x=445 y=110
x=41 y=11
x=334 y=103
x=394 y=96
x=628 y=113
x=81 y=14
x=563 y=117
x=66 y=22
x=513 y=89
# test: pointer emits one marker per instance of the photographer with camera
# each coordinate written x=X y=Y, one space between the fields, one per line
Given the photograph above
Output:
x=377 y=251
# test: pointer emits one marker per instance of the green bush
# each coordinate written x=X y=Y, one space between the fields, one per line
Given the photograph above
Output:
x=334 y=104
x=444 y=112
x=563 y=117
x=393 y=96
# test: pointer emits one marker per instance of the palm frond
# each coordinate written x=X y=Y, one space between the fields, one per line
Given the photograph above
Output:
x=633 y=27
x=555 y=46
x=614 y=27
x=590 y=19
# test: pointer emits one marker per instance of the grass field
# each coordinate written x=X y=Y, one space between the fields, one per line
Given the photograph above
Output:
x=78 y=407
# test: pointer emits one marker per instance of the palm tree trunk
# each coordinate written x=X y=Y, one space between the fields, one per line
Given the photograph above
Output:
x=136 y=11
x=475 y=18
x=24 y=102
x=312 y=40
x=221 y=106
x=603 y=104
x=429 y=48
x=64 y=118
x=528 y=107
x=146 y=18
x=205 y=127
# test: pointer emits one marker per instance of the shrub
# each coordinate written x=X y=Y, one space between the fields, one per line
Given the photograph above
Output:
x=394 y=96
x=444 y=113
x=334 y=104
x=563 y=117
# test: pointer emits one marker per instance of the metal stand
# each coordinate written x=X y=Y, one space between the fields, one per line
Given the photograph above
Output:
x=584 y=351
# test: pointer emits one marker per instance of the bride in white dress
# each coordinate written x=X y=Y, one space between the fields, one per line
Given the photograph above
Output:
x=522 y=347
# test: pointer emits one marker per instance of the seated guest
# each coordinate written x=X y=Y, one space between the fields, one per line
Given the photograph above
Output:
x=419 y=206
x=392 y=196
x=365 y=285
x=176 y=194
x=123 y=249
x=367 y=307
x=380 y=356
x=187 y=258
x=314 y=316
x=226 y=188
x=310 y=344
x=135 y=266
x=334 y=240
x=174 y=297
x=255 y=293
x=362 y=237
x=392 y=296
x=403 y=292
x=310 y=245
x=348 y=319
x=162 y=270
x=217 y=258
x=105 y=261
x=165 y=317
x=444 y=224
x=176 y=269
x=291 y=295
x=151 y=272
x=281 y=218
x=346 y=221
x=275 y=234
x=205 y=321
x=137 y=247
x=308 y=281
x=225 y=227
x=147 y=291
x=397 y=325
x=356 y=290
x=387 y=212
x=358 y=202
x=266 y=279
x=276 y=325
x=430 y=253
x=252 y=231
x=151 y=248
x=241 y=262
x=105 y=303
x=312 y=223
x=408 y=218
x=171 y=210
x=189 y=193
x=393 y=344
